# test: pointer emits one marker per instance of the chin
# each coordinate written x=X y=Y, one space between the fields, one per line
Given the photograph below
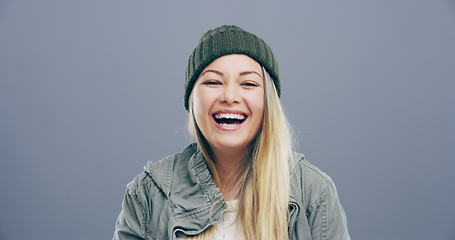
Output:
x=225 y=144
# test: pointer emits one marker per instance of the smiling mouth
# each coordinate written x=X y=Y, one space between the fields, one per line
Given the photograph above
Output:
x=229 y=120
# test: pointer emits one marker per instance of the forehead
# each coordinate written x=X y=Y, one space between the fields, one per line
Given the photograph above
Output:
x=234 y=63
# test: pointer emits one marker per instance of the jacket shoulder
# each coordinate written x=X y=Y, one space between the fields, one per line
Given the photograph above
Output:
x=323 y=209
x=314 y=174
x=151 y=178
x=310 y=182
x=144 y=203
x=161 y=172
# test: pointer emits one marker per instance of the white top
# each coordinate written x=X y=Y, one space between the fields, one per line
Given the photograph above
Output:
x=227 y=228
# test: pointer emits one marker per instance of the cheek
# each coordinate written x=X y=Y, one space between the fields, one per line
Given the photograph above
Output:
x=202 y=100
x=259 y=102
x=256 y=104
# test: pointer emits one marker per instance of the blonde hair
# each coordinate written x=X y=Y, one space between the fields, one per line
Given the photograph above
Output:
x=264 y=186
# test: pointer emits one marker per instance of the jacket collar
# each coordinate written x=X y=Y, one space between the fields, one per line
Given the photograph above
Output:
x=185 y=180
x=195 y=201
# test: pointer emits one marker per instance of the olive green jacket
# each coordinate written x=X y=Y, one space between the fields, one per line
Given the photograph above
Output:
x=176 y=196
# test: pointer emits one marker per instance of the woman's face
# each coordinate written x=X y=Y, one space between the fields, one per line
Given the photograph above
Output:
x=228 y=102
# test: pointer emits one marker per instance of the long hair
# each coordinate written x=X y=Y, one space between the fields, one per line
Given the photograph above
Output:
x=264 y=183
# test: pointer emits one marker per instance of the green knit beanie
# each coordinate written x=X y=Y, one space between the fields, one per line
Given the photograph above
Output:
x=226 y=40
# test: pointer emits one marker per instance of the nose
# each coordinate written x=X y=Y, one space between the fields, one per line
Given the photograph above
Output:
x=230 y=94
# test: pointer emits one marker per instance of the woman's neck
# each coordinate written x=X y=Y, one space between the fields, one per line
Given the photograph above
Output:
x=229 y=167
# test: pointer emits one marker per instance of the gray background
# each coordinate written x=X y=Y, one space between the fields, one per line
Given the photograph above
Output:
x=91 y=90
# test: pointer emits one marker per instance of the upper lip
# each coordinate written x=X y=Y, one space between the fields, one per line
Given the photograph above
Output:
x=231 y=111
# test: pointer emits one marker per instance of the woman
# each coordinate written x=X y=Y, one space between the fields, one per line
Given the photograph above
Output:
x=241 y=178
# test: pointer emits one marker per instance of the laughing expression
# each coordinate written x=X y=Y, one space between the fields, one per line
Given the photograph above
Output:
x=228 y=102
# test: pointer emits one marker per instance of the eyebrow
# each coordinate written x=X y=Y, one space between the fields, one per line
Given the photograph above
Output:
x=221 y=74
x=250 y=72
x=214 y=71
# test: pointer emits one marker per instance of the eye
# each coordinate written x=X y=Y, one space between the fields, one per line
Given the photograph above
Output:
x=211 y=82
x=250 y=84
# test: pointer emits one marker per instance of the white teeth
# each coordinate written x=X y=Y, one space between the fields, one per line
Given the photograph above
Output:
x=229 y=126
x=230 y=115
